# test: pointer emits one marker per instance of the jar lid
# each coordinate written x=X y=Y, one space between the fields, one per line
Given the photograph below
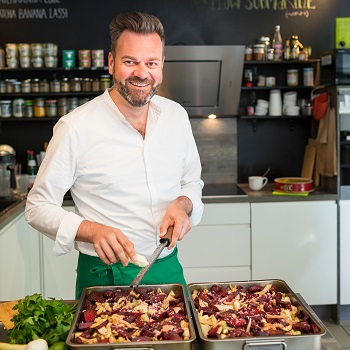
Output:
x=51 y=101
x=28 y=102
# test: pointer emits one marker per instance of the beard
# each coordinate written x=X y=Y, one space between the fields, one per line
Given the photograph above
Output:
x=137 y=98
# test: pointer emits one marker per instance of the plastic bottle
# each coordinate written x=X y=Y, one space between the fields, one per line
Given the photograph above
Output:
x=32 y=168
x=277 y=44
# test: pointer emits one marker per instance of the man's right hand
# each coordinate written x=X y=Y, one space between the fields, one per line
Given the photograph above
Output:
x=110 y=243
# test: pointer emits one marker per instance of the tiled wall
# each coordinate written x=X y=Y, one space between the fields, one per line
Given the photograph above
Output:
x=217 y=145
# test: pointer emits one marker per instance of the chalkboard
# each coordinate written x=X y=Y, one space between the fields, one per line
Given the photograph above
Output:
x=74 y=24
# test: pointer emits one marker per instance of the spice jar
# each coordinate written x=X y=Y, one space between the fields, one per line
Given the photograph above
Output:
x=55 y=85
x=28 y=111
x=62 y=108
x=5 y=108
x=248 y=53
x=44 y=86
x=26 y=86
x=2 y=86
x=51 y=108
x=86 y=85
x=292 y=77
x=65 y=86
x=258 y=52
x=16 y=87
x=95 y=85
x=75 y=84
x=105 y=82
x=73 y=103
x=35 y=85
x=18 y=107
x=39 y=107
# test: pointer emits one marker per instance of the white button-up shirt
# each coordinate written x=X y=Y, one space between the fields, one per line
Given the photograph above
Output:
x=116 y=177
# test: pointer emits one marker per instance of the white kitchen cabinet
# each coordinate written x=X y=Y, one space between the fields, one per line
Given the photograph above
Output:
x=19 y=260
x=218 y=249
x=58 y=272
x=297 y=242
x=344 y=251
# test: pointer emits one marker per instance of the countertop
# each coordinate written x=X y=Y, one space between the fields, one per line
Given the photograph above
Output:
x=219 y=193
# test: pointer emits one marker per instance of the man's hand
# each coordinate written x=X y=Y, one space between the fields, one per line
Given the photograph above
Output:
x=110 y=243
x=177 y=216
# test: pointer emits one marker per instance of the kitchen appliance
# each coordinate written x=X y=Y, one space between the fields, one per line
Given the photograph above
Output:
x=7 y=170
x=178 y=289
x=277 y=342
x=335 y=67
x=204 y=79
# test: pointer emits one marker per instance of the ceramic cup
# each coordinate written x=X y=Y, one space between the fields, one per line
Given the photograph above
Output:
x=256 y=183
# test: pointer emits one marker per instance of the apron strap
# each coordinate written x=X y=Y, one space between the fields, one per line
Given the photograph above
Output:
x=104 y=270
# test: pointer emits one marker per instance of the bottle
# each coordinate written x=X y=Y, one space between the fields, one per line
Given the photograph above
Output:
x=277 y=44
x=286 y=50
x=32 y=168
x=295 y=49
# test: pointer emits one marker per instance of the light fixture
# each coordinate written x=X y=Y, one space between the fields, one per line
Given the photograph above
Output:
x=211 y=116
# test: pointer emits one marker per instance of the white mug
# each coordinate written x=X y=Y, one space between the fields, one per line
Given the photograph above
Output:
x=256 y=183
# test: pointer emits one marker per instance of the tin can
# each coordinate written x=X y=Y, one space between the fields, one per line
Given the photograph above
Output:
x=68 y=58
x=84 y=58
x=292 y=77
x=28 y=110
x=39 y=107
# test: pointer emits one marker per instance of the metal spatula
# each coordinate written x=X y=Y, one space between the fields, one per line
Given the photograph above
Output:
x=163 y=242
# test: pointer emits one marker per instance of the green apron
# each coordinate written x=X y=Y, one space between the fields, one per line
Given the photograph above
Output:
x=91 y=271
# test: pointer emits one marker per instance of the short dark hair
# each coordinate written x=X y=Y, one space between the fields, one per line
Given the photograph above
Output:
x=137 y=22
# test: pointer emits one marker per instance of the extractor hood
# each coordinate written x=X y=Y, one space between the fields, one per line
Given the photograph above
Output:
x=204 y=79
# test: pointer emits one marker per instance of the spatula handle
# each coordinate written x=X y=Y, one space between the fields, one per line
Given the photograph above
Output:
x=167 y=238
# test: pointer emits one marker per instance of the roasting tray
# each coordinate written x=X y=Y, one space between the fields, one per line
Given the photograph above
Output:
x=290 y=342
x=142 y=345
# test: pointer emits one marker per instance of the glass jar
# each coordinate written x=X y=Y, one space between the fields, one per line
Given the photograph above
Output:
x=26 y=86
x=258 y=52
x=51 y=108
x=55 y=85
x=5 y=108
x=105 y=82
x=18 y=107
x=292 y=77
x=96 y=85
x=39 y=107
x=16 y=85
x=75 y=84
x=65 y=87
x=2 y=86
x=86 y=85
x=44 y=86
x=35 y=85
x=9 y=85
x=28 y=111
x=248 y=53
x=62 y=106
x=73 y=103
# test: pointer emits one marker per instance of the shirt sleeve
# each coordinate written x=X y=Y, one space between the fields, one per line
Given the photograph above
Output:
x=55 y=177
x=191 y=184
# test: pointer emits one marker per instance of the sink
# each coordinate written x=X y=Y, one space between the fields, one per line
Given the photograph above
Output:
x=6 y=204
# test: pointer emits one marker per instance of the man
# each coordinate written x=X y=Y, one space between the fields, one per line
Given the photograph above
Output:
x=131 y=163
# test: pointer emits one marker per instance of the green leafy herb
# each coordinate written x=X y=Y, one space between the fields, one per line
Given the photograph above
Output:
x=40 y=318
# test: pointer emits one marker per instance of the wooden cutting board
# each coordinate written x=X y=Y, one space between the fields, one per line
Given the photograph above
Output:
x=309 y=161
x=6 y=313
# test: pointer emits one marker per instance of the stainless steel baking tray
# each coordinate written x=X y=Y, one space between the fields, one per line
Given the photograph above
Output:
x=142 y=345
x=292 y=342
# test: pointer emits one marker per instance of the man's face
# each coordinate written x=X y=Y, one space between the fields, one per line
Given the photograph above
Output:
x=137 y=67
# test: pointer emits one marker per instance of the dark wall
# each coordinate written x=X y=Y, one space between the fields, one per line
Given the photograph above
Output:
x=84 y=24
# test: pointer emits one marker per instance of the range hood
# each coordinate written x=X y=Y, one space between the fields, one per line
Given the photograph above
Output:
x=204 y=79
